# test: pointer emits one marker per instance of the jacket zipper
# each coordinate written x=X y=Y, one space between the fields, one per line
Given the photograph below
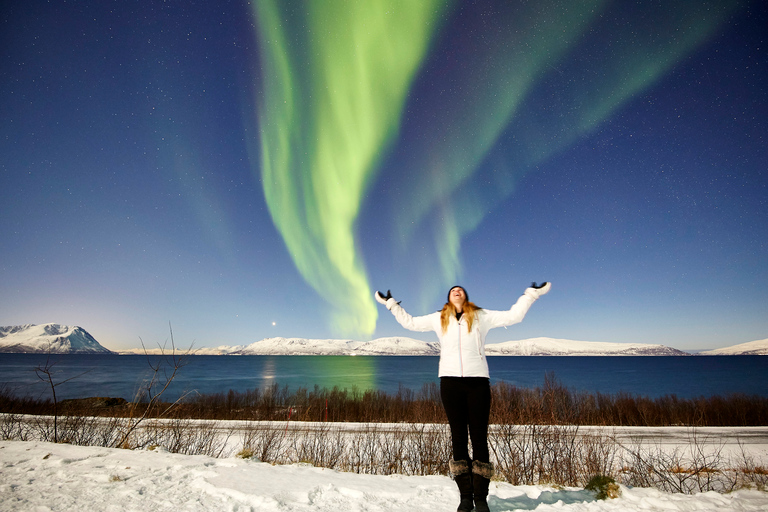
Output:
x=461 y=355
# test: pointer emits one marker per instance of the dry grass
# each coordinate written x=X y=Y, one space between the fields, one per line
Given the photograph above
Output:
x=551 y=404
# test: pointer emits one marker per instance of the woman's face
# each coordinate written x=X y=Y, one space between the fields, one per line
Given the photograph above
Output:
x=457 y=296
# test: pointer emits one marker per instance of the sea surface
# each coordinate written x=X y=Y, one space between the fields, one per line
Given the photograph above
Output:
x=80 y=376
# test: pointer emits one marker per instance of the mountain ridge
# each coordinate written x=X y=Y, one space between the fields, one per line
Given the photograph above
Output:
x=752 y=348
x=50 y=339
x=399 y=345
x=63 y=339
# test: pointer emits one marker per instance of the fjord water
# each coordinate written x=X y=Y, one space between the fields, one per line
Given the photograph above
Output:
x=122 y=376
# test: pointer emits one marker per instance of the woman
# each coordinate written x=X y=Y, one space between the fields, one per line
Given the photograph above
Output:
x=465 y=389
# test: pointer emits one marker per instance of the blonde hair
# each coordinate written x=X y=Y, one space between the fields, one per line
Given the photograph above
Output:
x=469 y=311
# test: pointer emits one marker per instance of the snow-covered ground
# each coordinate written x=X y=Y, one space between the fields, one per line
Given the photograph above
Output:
x=38 y=476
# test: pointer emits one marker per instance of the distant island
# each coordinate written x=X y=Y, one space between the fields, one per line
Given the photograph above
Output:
x=62 y=339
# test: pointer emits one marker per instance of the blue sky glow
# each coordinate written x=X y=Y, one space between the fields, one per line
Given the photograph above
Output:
x=616 y=149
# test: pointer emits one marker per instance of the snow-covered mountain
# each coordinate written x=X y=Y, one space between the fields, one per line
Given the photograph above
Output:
x=557 y=347
x=308 y=347
x=222 y=350
x=48 y=338
x=412 y=347
x=63 y=339
x=408 y=346
x=378 y=347
x=753 y=348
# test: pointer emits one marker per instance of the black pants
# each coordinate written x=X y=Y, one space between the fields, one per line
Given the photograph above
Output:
x=467 y=403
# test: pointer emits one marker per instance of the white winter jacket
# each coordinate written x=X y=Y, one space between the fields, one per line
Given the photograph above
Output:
x=462 y=352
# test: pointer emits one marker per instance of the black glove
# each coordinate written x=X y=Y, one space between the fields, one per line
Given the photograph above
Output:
x=537 y=291
x=382 y=299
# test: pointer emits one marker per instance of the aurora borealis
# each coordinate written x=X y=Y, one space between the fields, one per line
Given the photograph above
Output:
x=247 y=170
x=323 y=133
x=499 y=98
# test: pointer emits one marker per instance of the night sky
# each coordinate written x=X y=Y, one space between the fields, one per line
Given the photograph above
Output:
x=247 y=170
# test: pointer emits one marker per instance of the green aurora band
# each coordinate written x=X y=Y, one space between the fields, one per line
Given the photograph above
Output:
x=336 y=75
x=464 y=169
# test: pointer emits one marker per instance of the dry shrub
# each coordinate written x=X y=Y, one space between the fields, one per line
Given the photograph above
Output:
x=551 y=404
x=321 y=447
x=410 y=449
x=698 y=466
x=555 y=454
x=264 y=441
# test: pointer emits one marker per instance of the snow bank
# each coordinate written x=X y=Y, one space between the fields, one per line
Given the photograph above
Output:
x=44 y=476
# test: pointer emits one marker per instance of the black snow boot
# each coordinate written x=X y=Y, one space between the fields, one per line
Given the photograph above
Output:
x=481 y=478
x=463 y=477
